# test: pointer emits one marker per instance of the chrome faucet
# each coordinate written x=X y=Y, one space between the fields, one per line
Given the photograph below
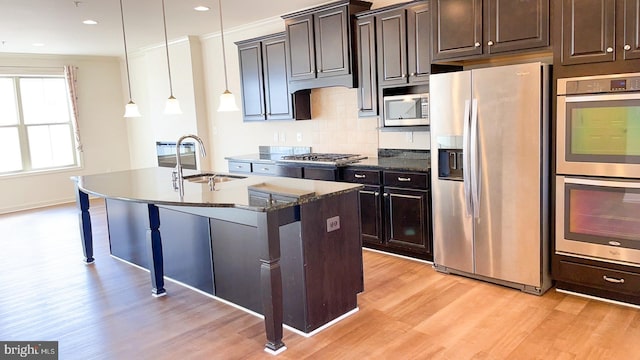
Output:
x=177 y=174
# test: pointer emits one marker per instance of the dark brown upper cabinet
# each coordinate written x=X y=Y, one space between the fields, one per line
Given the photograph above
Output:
x=631 y=35
x=320 y=48
x=468 y=29
x=597 y=31
x=265 y=86
x=403 y=40
x=367 y=71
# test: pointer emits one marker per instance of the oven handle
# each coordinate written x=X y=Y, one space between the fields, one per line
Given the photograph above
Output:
x=604 y=183
x=602 y=97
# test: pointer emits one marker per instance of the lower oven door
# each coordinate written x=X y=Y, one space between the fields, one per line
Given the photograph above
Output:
x=598 y=218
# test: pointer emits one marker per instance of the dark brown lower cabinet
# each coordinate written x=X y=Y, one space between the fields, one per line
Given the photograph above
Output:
x=597 y=278
x=407 y=219
x=395 y=211
x=371 y=214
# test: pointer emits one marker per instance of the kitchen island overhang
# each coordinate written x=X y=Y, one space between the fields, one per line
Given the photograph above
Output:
x=315 y=224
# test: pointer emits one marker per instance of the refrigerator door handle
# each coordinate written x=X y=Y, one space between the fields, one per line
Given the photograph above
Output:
x=466 y=170
x=475 y=163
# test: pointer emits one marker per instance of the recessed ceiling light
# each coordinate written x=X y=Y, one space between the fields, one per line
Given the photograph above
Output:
x=201 y=8
x=90 y=22
x=37 y=44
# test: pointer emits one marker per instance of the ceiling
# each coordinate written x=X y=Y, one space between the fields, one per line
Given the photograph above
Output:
x=57 y=24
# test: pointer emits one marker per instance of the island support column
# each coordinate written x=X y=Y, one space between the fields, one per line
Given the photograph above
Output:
x=86 y=235
x=154 y=242
x=271 y=279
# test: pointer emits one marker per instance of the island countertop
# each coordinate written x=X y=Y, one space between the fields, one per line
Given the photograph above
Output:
x=154 y=185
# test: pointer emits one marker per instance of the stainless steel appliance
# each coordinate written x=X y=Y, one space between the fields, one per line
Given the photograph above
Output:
x=598 y=126
x=598 y=168
x=490 y=194
x=406 y=110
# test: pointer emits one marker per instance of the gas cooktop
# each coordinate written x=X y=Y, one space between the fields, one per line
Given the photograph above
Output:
x=323 y=158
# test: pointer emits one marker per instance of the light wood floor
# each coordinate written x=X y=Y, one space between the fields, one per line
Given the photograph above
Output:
x=407 y=311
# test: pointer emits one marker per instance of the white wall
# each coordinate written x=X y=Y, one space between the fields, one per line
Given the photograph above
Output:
x=102 y=130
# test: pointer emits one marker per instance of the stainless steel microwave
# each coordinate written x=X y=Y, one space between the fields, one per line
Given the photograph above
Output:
x=406 y=110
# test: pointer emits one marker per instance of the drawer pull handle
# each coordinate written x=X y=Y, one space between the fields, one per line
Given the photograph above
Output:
x=239 y=166
x=358 y=176
x=405 y=179
x=265 y=169
x=613 y=280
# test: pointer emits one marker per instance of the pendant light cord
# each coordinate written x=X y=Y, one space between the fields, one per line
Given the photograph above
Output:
x=224 y=56
x=126 y=56
x=166 y=44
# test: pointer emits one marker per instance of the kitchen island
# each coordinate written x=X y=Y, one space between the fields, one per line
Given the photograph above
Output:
x=286 y=248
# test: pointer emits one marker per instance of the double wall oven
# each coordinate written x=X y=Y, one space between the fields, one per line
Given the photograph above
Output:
x=598 y=168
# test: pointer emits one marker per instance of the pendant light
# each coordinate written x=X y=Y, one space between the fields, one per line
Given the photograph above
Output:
x=227 y=100
x=131 y=109
x=173 y=106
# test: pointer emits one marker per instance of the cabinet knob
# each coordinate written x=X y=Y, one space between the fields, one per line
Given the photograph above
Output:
x=412 y=74
x=477 y=44
x=609 y=49
x=627 y=47
x=490 y=43
x=385 y=194
x=404 y=75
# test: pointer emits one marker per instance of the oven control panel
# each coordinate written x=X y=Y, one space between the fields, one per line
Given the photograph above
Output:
x=603 y=84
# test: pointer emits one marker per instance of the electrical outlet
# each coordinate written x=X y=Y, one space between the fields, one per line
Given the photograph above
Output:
x=299 y=137
x=410 y=137
x=333 y=223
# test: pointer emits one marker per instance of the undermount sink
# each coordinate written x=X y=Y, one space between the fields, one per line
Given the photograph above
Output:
x=217 y=178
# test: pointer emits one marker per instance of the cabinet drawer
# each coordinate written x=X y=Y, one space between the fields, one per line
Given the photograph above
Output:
x=599 y=277
x=369 y=177
x=264 y=169
x=406 y=180
x=320 y=173
x=239 y=166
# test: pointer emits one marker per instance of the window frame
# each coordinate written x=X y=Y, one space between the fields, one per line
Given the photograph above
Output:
x=23 y=132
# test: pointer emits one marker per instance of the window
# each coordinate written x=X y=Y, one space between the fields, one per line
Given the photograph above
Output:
x=36 y=130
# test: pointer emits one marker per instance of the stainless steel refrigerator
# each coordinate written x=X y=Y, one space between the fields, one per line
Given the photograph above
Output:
x=490 y=174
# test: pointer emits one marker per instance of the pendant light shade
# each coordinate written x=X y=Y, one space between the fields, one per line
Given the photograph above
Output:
x=227 y=100
x=131 y=109
x=173 y=106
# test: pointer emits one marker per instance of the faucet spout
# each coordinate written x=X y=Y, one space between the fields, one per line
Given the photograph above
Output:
x=179 y=176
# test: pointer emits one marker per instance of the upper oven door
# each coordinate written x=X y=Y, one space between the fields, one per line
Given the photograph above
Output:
x=599 y=135
x=598 y=218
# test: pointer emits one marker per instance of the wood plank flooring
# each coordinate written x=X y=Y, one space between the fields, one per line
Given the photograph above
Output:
x=407 y=311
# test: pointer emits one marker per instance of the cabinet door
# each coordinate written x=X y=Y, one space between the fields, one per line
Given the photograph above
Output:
x=371 y=214
x=392 y=48
x=301 y=51
x=457 y=28
x=252 y=81
x=631 y=41
x=419 y=43
x=278 y=104
x=332 y=42
x=367 y=72
x=588 y=31
x=407 y=219
x=517 y=25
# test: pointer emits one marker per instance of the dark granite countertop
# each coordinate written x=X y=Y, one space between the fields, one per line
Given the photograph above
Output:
x=154 y=185
x=388 y=159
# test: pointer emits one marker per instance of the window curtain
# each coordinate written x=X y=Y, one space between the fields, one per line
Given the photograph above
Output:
x=71 y=74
